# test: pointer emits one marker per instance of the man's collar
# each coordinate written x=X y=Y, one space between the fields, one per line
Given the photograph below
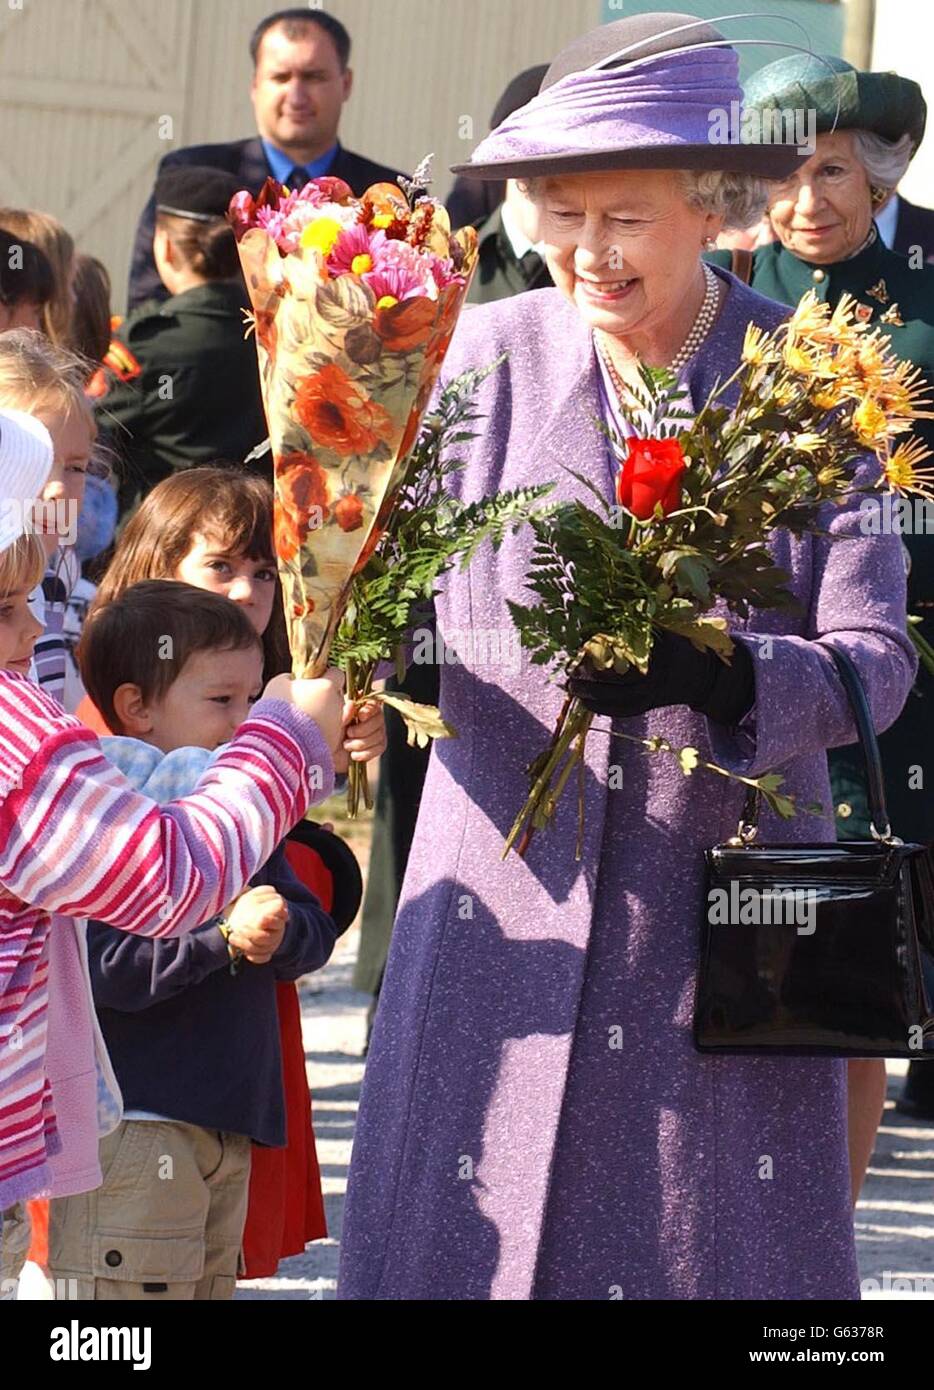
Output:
x=517 y=239
x=282 y=164
x=886 y=221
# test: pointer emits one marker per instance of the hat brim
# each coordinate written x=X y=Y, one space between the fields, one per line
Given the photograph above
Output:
x=767 y=161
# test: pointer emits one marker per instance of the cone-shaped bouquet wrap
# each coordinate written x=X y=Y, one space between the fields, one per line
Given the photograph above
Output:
x=354 y=304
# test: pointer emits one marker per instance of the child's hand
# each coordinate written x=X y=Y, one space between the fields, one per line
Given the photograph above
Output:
x=257 y=923
x=322 y=700
x=364 y=733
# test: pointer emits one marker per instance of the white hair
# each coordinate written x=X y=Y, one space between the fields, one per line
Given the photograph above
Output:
x=885 y=161
x=740 y=199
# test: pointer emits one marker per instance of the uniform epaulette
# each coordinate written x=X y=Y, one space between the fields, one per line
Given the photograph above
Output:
x=120 y=360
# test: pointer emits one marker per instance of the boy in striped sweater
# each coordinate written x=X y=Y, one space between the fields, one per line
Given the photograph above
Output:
x=76 y=839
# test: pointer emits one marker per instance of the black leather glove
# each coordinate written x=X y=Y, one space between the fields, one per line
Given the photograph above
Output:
x=678 y=674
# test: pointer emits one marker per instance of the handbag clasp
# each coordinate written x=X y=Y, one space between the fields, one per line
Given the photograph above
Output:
x=745 y=834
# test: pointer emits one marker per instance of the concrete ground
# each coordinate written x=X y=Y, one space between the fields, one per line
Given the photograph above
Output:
x=894 y=1219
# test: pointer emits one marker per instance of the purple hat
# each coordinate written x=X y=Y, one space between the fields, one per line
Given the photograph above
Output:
x=636 y=94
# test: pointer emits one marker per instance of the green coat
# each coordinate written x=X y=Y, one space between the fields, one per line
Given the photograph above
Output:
x=880 y=280
x=196 y=398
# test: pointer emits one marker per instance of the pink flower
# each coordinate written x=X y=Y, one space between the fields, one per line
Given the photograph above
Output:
x=288 y=212
x=444 y=273
x=401 y=272
x=241 y=213
x=276 y=221
x=325 y=190
x=352 y=243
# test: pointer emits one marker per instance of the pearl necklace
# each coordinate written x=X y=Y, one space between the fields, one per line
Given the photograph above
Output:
x=699 y=330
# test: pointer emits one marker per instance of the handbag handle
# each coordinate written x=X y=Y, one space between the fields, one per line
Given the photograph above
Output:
x=875 y=783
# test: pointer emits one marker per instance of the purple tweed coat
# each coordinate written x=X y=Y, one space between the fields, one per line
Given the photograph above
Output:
x=506 y=1148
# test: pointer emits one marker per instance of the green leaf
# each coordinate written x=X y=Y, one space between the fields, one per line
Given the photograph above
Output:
x=688 y=570
x=423 y=722
x=704 y=633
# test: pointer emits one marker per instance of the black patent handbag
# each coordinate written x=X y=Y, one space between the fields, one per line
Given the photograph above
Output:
x=817 y=949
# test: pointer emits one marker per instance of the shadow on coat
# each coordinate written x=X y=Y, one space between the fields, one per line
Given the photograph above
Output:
x=438 y=1166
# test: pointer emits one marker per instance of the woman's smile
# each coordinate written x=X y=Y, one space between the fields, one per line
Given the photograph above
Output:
x=605 y=291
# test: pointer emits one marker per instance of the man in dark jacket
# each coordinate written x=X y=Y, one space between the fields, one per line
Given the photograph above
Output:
x=903 y=226
x=301 y=80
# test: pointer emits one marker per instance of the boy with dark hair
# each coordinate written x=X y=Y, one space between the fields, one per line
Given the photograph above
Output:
x=190 y=1024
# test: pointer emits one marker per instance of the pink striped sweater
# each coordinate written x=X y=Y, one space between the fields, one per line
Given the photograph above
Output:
x=75 y=838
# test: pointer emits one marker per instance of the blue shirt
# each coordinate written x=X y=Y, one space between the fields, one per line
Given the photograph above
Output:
x=282 y=164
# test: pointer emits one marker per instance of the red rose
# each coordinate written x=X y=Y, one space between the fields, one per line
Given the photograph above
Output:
x=348 y=512
x=650 y=476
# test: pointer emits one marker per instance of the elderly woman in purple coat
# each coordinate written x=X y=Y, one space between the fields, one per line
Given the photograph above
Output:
x=535 y=1121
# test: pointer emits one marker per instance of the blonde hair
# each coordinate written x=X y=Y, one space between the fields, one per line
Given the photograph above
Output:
x=50 y=236
x=36 y=376
x=22 y=564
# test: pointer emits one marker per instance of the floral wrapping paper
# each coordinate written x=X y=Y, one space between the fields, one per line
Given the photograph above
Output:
x=345 y=382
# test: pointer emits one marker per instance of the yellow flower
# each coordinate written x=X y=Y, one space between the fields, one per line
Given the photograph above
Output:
x=902 y=472
x=809 y=318
x=756 y=346
x=807 y=443
x=903 y=391
x=321 y=234
x=361 y=264
x=797 y=358
x=382 y=220
x=870 y=423
x=843 y=318
x=786 y=393
x=827 y=396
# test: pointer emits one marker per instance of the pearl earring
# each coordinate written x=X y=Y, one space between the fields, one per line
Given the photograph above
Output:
x=709 y=243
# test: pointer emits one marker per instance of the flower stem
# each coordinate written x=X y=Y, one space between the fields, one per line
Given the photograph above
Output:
x=550 y=772
x=357 y=687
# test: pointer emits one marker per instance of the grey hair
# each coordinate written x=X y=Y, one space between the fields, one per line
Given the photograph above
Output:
x=740 y=199
x=885 y=161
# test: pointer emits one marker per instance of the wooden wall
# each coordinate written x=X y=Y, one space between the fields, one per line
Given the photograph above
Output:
x=94 y=92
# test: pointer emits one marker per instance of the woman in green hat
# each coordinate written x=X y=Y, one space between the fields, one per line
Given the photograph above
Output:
x=868 y=126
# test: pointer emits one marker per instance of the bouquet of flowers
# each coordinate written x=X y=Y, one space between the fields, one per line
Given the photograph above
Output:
x=428 y=530
x=354 y=304
x=696 y=501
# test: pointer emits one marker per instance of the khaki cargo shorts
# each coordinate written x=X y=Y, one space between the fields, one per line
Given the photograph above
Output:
x=167 y=1222
x=15 y=1235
